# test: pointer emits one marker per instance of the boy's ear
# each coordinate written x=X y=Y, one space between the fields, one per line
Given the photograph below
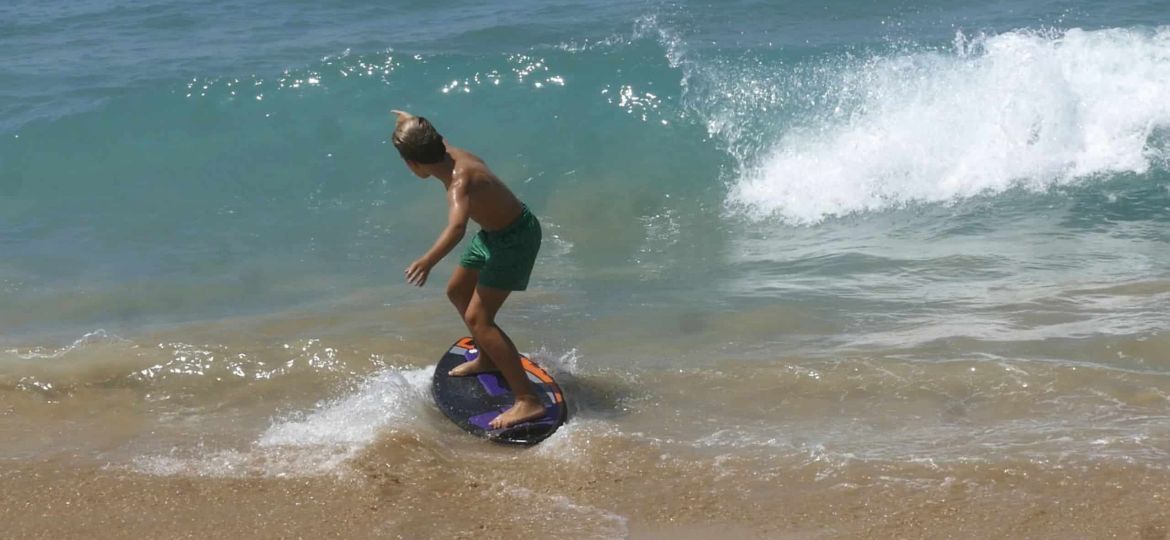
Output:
x=416 y=168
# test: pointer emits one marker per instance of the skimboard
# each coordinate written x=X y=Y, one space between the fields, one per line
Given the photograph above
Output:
x=472 y=402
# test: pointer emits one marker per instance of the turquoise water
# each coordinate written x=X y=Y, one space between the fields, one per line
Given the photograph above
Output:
x=169 y=162
x=884 y=200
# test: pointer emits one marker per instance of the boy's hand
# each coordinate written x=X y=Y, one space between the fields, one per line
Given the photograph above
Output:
x=417 y=272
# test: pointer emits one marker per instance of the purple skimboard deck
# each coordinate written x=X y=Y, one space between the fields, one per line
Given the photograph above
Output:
x=472 y=402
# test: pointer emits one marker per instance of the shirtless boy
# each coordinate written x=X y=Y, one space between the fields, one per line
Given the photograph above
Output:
x=498 y=261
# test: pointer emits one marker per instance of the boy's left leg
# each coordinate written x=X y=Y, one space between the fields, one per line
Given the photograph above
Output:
x=461 y=287
x=460 y=290
x=481 y=319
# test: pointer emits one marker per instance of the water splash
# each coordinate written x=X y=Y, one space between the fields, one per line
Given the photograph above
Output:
x=1019 y=109
x=313 y=443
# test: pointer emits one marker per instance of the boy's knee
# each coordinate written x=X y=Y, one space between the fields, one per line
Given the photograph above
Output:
x=476 y=320
x=459 y=295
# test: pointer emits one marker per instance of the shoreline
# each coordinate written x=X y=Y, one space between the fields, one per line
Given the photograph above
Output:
x=64 y=499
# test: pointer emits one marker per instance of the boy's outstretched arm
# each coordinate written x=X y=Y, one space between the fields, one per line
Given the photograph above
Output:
x=457 y=214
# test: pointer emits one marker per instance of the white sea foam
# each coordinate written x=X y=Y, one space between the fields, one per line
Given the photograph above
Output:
x=389 y=398
x=586 y=521
x=322 y=440
x=317 y=442
x=96 y=337
x=1018 y=109
x=556 y=363
x=572 y=441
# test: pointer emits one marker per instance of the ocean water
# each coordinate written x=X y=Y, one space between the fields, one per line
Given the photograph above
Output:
x=856 y=243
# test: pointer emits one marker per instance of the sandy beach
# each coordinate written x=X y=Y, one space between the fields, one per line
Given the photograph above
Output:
x=422 y=493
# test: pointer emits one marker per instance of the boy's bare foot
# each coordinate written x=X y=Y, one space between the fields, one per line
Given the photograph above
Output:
x=526 y=408
x=474 y=367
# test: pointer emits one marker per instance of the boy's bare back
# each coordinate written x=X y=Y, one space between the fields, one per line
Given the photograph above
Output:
x=490 y=203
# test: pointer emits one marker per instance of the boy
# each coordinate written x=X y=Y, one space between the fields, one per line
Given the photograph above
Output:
x=498 y=261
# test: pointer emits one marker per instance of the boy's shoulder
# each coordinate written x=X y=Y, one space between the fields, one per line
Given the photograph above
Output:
x=469 y=168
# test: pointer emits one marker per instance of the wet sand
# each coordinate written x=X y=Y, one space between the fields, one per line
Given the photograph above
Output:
x=404 y=488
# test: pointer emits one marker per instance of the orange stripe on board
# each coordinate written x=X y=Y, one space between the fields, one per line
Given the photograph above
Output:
x=535 y=370
x=544 y=377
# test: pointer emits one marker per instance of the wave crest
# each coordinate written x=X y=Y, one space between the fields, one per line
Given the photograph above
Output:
x=1026 y=108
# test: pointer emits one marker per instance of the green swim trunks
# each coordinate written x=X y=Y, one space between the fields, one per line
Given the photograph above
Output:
x=505 y=257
